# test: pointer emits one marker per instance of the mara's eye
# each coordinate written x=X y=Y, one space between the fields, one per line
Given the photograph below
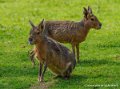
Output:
x=92 y=19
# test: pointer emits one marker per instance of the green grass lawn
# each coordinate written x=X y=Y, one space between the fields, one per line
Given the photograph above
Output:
x=100 y=53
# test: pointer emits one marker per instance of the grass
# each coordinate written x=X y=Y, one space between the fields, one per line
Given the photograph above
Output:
x=100 y=53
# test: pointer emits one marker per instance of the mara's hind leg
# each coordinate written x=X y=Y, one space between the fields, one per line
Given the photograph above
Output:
x=68 y=72
x=77 y=51
x=32 y=55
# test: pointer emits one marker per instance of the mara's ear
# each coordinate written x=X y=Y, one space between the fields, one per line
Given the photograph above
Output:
x=31 y=23
x=89 y=10
x=41 y=26
x=85 y=12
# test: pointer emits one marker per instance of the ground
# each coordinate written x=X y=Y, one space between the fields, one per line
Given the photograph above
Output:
x=99 y=66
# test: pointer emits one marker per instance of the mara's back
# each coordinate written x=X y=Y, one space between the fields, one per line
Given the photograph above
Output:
x=64 y=31
x=59 y=58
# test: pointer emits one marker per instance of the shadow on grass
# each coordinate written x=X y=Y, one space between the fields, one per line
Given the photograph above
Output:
x=95 y=62
x=74 y=80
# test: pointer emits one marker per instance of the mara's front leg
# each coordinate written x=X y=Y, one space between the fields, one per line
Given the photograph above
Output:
x=73 y=48
x=77 y=51
x=44 y=70
x=40 y=72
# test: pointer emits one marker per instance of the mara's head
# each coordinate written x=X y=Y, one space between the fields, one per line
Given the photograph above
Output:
x=36 y=32
x=90 y=19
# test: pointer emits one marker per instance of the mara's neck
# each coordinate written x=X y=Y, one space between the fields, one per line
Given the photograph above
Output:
x=86 y=27
x=41 y=51
x=41 y=46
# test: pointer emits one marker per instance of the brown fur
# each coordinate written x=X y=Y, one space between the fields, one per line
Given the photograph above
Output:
x=59 y=59
x=73 y=32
